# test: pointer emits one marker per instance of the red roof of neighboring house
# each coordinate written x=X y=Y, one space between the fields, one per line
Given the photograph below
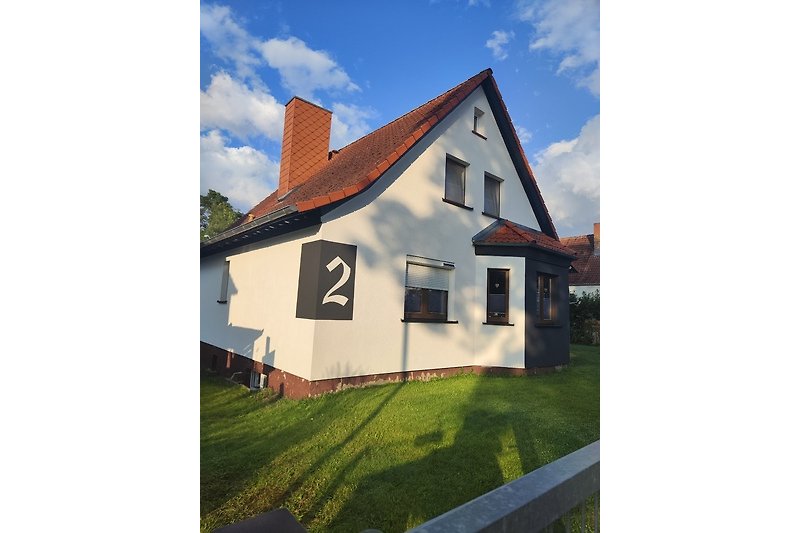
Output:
x=587 y=264
x=359 y=164
x=505 y=232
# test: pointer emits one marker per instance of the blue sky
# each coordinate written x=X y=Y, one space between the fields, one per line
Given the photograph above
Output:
x=370 y=63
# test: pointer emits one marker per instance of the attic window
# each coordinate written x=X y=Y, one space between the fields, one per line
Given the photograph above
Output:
x=477 y=124
x=455 y=181
x=491 y=195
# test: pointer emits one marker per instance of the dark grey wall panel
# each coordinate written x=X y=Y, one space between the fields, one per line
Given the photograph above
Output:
x=546 y=345
x=326 y=286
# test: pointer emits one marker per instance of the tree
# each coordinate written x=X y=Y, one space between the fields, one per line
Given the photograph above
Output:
x=584 y=318
x=216 y=214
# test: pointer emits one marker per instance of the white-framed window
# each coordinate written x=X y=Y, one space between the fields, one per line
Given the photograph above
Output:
x=477 y=123
x=223 y=289
x=491 y=195
x=427 y=289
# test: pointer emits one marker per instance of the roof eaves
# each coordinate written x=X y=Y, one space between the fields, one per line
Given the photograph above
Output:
x=237 y=230
x=515 y=143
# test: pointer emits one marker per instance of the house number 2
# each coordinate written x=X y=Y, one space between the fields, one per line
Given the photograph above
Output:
x=327 y=280
x=337 y=298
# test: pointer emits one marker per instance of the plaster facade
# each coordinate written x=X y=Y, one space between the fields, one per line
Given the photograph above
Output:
x=402 y=214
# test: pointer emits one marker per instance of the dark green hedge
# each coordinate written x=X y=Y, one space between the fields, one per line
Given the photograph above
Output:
x=584 y=318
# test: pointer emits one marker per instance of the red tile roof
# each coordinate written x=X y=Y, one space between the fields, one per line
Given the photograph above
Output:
x=587 y=264
x=505 y=232
x=355 y=167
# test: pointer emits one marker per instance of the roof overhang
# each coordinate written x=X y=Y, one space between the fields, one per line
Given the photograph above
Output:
x=282 y=221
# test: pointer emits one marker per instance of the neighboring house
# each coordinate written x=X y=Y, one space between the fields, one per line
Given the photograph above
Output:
x=422 y=249
x=586 y=274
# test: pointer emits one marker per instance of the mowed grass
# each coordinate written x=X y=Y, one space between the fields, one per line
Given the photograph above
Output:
x=389 y=456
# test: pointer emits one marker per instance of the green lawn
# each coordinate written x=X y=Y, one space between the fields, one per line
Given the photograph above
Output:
x=391 y=456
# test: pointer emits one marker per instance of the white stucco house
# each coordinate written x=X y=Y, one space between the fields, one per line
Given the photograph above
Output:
x=423 y=248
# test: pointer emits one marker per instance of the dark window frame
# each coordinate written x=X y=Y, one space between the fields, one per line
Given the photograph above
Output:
x=540 y=303
x=223 y=289
x=504 y=320
x=488 y=178
x=460 y=202
x=424 y=313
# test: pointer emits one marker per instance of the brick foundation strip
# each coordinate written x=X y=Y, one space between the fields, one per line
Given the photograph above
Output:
x=227 y=363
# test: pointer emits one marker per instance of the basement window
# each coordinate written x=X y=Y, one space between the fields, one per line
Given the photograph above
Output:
x=427 y=289
x=223 y=289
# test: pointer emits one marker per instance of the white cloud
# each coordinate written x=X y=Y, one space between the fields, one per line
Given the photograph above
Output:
x=349 y=123
x=229 y=41
x=245 y=175
x=244 y=112
x=499 y=38
x=571 y=30
x=525 y=136
x=304 y=70
x=568 y=174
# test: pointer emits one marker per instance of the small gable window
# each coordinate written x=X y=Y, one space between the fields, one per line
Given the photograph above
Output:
x=223 y=289
x=477 y=123
x=455 y=181
x=491 y=195
x=497 y=296
x=427 y=289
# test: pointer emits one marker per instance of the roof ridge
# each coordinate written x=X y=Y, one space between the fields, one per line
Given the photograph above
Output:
x=452 y=89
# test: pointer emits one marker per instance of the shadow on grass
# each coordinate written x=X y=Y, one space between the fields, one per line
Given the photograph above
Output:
x=478 y=459
x=236 y=461
x=332 y=463
x=235 y=447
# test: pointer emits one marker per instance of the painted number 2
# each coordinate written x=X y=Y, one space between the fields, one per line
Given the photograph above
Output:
x=337 y=298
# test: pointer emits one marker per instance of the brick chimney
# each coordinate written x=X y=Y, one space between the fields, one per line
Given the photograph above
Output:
x=306 y=137
x=596 y=238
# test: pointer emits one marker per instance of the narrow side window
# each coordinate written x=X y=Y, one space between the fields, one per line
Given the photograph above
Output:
x=223 y=289
x=477 y=123
x=491 y=195
x=497 y=296
x=545 y=303
x=455 y=181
